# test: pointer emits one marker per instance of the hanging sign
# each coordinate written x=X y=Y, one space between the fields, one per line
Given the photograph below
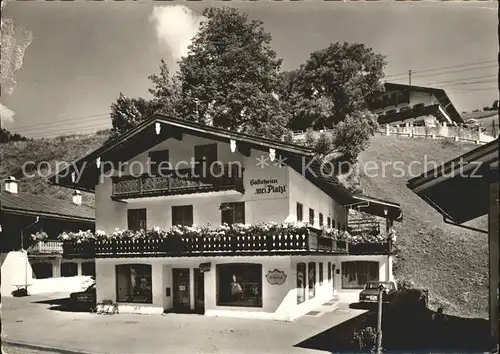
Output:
x=268 y=186
x=276 y=277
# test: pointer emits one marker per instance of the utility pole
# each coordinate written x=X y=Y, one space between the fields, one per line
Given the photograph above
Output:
x=409 y=77
x=381 y=291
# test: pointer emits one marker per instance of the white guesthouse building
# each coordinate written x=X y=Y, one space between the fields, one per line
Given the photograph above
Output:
x=278 y=276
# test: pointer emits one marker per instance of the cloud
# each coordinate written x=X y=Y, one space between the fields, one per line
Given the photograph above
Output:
x=176 y=26
x=6 y=114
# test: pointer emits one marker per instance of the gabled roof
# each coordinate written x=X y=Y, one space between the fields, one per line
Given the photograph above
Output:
x=459 y=189
x=144 y=137
x=440 y=95
x=44 y=206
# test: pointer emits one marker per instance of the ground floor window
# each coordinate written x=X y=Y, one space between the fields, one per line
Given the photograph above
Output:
x=356 y=274
x=69 y=269
x=312 y=279
x=329 y=271
x=133 y=283
x=88 y=268
x=42 y=270
x=301 y=282
x=239 y=284
x=321 y=273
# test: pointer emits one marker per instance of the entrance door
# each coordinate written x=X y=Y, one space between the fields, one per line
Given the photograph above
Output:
x=181 y=289
x=333 y=277
x=199 y=291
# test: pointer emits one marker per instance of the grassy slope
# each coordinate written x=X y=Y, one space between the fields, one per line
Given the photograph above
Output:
x=450 y=261
x=62 y=149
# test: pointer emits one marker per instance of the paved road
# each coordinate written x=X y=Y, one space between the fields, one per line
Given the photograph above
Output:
x=32 y=320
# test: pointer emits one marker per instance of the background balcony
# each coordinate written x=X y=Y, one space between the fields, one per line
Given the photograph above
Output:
x=230 y=178
x=48 y=247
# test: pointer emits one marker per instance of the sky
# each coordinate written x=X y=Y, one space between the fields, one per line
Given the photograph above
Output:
x=83 y=54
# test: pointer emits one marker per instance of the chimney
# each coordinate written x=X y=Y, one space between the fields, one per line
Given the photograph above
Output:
x=11 y=185
x=77 y=198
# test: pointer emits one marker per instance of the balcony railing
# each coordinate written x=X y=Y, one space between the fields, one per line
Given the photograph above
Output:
x=206 y=246
x=178 y=182
x=370 y=248
x=363 y=225
x=48 y=247
x=416 y=111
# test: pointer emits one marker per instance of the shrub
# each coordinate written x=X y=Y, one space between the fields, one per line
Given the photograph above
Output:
x=404 y=283
x=365 y=338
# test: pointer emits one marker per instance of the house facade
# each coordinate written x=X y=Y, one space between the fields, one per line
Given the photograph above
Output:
x=405 y=104
x=230 y=253
x=30 y=225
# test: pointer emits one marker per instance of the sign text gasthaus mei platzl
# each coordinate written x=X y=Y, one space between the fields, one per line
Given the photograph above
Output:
x=267 y=186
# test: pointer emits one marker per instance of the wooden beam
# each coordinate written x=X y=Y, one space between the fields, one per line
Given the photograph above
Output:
x=494 y=263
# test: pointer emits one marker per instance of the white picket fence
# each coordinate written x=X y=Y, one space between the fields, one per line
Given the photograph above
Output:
x=456 y=133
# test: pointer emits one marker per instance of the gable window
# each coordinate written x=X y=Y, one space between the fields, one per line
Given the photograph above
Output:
x=233 y=213
x=204 y=157
x=159 y=161
x=182 y=215
x=136 y=219
x=311 y=216
x=328 y=222
x=320 y=219
x=134 y=283
x=300 y=212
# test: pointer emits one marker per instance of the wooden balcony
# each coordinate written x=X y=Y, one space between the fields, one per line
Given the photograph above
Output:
x=370 y=249
x=178 y=182
x=208 y=245
x=48 y=247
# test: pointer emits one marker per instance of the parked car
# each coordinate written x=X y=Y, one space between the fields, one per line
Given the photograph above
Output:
x=84 y=299
x=474 y=123
x=371 y=290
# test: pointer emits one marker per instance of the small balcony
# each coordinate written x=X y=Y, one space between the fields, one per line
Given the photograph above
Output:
x=209 y=245
x=47 y=247
x=229 y=177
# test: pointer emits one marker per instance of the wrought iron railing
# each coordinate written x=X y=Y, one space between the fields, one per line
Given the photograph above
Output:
x=179 y=181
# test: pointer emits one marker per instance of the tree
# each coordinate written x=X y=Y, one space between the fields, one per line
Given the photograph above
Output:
x=127 y=112
x=352 y=135
x=333 y=83
x=230 y=76
x=165 y=91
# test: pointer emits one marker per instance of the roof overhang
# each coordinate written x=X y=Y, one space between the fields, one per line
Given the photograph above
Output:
x=33 y=213
x=459 y=189
x=378 y=207
x=152 y=132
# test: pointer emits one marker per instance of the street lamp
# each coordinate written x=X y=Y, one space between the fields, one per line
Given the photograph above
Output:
x=381 y=292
